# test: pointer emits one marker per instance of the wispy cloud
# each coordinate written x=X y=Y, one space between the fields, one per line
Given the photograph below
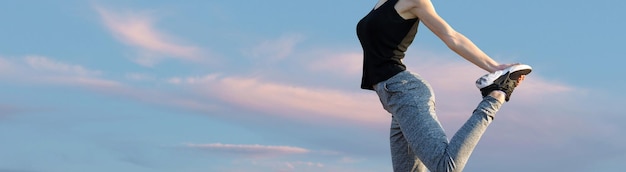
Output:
x=254 y=150
x=48 y=70
x=40 y=69
x=137 y=29
x=343 y=64
x=45 y=64
x=45 y=70
x=282 y=166
x=289 y=100
x=276 y=49
x=293 y=165
x=256 y=156
x=140 y=77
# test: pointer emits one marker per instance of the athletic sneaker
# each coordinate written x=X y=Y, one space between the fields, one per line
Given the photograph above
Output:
x=504 y=80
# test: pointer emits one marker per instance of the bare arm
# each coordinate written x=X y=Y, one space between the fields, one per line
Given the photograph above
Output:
x=456 y=41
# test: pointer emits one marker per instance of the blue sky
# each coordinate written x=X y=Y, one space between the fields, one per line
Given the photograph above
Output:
x=274 y=86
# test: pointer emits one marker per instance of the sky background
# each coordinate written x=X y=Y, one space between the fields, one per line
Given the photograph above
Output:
x=273 y=85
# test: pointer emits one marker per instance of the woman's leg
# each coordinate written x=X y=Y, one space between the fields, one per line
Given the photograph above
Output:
x=466 y=138
x=402 y=156
x=411 y=101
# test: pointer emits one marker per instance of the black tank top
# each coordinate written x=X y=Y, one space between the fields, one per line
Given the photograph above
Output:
x=385 y=37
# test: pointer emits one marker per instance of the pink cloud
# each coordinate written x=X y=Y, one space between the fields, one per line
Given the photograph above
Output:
x=290 y=101
x=138 y=30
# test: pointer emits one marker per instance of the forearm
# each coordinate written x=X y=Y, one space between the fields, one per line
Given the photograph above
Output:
x=469 y=51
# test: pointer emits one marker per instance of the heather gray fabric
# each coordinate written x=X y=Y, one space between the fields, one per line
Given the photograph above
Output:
x=418 y=142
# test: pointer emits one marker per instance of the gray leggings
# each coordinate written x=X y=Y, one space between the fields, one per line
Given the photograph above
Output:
x=418 y=142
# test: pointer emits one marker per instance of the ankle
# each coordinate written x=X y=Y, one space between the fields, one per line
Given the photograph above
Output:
x=498 y=95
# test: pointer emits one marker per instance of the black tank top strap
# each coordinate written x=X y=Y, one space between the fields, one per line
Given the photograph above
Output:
x=387 y=4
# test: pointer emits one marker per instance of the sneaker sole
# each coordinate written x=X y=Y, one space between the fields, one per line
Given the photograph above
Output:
x=518 y=70
x=514 y=73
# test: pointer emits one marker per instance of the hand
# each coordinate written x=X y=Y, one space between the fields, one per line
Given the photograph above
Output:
x=520 y=79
